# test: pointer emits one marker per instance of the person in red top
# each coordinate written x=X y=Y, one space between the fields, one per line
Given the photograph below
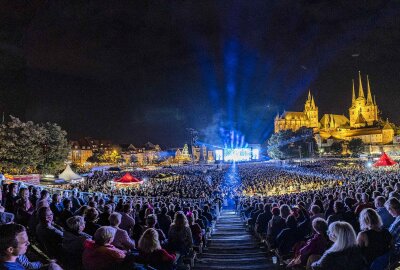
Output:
x=151 y=253
x=100 y=254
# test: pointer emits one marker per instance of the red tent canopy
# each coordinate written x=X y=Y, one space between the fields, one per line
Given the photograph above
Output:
x=128 y=179
x=384 y=160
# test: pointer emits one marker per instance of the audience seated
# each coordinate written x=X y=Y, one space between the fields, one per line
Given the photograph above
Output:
x=344 y=253
x=179 y=235
x=99 y=253
x=73 y=242
x=47 y=234
x=151 y=253
x=121 y=238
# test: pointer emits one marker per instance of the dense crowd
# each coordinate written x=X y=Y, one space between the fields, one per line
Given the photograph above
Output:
x=317 y=216
x=352 y=224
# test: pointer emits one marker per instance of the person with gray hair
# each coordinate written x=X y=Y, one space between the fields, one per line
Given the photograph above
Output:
x=121 y=238
x=73 y=241
x=100 y=254
x=344 y=253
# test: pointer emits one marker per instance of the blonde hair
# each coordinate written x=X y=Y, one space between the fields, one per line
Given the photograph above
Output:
x=149 y=242
x=343 y=236
x=369 y=219
x=180 y=220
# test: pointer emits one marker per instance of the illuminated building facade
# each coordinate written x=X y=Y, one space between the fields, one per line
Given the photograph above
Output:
x=364 y=121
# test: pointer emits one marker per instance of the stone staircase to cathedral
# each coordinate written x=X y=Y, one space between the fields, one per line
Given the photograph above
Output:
x=231 y=247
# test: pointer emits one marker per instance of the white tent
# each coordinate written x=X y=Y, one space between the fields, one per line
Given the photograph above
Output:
x=69 y=175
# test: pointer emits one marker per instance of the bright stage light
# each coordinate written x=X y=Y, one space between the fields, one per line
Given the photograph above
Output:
x=237 y=154
x=219 y=155
x=369 y=164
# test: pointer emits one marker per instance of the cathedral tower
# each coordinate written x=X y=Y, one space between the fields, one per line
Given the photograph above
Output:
x=311 y=111
x=363 y=111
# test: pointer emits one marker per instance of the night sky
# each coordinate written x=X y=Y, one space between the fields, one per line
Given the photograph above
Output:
x=138 y=71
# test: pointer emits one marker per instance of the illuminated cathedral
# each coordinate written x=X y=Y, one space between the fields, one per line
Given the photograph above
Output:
x=364 y=120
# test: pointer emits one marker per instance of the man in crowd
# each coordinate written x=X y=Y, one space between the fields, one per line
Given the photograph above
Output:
x=14 y=243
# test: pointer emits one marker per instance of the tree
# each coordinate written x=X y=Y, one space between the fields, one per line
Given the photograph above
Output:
x=30 y=146
x=356 y=146
x=337 y=148
x=21 y=145
x=55 y=147
x=291 y=144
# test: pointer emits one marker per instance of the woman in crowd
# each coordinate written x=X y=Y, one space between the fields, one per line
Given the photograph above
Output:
x=373 y=240
x=72 y=243
x=180 y=235
x=314 y=247
x=24 y=208
x=151 y=253
x=121 y=238
x=91 y=217
x=100 y=254
x=344 y=253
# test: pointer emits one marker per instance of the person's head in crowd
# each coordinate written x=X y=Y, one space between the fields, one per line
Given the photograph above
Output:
x=285 y=211
x=44 y=194
x=393 y=207
x=13 y=242
x=291 y=222
x=13 y=189
x=24 y=193
x=56 y=198
x=320 y=225
x=76 y=224
x=107 y=209
x=370 y=220
x=338 y=207
x=151 y=220
x=149 y=241
x=67 y=204
x=115 y=219
x=91 y=215
x=104 y=235
x=45 y=215
x=342 y=235
x=92 y=204
x=180 y=220
x=127 y=208
x=267 y=208
x=365 y=198
x=379 y=202
x=164 y=210
x=276 y=211
x=315 y=210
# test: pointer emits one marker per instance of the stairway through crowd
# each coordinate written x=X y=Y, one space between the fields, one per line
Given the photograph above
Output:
x=231 y=247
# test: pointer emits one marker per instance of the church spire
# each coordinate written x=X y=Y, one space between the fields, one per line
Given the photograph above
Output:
x=360 y=87
x=309 y=95
x=312 y=102
x=353 y=94
x=369 y=95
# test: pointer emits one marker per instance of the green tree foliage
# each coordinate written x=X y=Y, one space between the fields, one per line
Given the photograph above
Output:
x=32 y=147
x=337 y=148
x=356 y=146
x=291 y=144
x=55 y=147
